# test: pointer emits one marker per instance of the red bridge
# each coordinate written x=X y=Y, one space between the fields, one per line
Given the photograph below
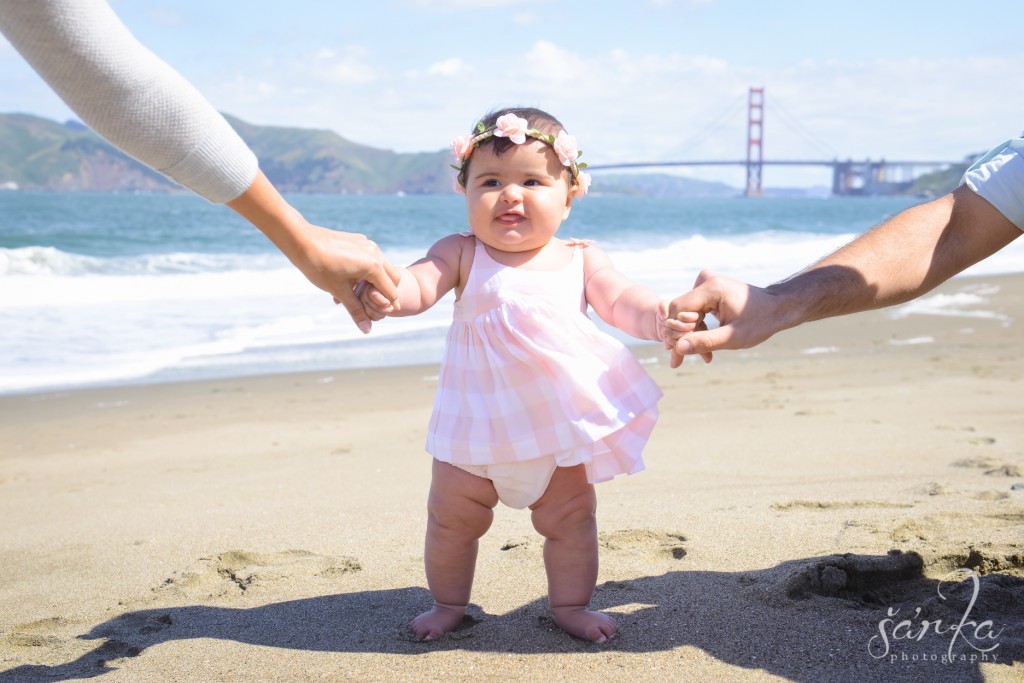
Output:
x=849 y=177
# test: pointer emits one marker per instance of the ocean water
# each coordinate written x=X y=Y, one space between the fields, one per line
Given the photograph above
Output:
x=103 y=288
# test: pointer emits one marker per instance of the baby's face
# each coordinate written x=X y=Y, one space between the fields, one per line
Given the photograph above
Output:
x=517 y=200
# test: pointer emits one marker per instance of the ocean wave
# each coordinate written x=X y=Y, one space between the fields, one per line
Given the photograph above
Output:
x=74 y=347
x=39 y=261
x=85 y=319
x=965 y=304
x=27 y=292
x=758 y=258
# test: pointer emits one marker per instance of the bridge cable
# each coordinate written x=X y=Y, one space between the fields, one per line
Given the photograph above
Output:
x=794 y=125
x=681 y=148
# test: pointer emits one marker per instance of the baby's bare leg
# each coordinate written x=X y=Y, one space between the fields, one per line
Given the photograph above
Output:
x=460 y=510
x=565 y=516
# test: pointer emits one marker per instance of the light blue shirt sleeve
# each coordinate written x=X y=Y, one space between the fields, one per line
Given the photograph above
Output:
x=998 y=177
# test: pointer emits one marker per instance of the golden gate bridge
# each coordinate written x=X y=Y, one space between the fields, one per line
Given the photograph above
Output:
x=849 y=177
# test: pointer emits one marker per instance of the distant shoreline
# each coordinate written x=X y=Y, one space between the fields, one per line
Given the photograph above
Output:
x=318 y=161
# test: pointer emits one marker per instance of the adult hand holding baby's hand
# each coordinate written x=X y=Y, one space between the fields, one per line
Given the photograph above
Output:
x=747 y=315
x=375 y=304
x=332 y=260
x=675 y=328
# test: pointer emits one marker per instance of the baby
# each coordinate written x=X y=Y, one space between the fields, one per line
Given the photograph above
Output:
x=534 y=403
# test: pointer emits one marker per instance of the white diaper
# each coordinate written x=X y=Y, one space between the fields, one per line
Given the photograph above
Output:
x=519 y=484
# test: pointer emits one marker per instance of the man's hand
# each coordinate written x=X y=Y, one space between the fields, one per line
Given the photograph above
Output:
x=747 y=316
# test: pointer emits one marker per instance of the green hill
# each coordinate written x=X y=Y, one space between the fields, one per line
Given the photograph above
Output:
x=309 y=160
x=659 y=185
x=938 y=183
x=39 y=154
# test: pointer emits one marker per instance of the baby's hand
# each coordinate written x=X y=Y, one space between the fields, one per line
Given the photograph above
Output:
x=685 y=322
x=376 y=305
x=671 y=329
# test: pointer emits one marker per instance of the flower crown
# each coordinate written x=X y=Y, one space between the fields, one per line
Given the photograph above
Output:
x=516 y=129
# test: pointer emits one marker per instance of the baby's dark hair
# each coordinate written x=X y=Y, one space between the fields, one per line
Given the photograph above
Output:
x=535 y=118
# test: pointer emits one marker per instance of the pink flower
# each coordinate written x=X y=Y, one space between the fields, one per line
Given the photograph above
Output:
x=565 y=148
x=462 y=146
x=512 y=127
x=582 y=185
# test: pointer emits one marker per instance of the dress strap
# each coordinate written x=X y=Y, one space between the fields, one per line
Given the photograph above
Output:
x=578 y=243
x=483 y=265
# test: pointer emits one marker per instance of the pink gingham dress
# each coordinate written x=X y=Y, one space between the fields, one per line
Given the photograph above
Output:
x=526 y=374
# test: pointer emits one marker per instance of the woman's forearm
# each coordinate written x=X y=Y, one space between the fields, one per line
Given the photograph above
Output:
x=332 y=260
x=263 y=206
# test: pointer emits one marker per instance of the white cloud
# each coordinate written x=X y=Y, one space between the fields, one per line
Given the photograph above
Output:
x=448 y=67
x=909 y=109
x=625 y=106
x=525 y=18
x=549 y=62
x=347 y=68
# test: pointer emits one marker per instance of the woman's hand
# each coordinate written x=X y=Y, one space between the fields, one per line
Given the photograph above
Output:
x=334 y=261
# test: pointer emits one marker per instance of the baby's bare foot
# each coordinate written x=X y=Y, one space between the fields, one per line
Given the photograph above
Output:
x=584 y=623
x=439 y=620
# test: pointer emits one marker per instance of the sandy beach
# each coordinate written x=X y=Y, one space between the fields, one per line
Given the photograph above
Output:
x=803 y=507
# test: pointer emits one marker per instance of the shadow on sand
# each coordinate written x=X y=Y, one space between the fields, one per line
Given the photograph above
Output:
x=816 y=619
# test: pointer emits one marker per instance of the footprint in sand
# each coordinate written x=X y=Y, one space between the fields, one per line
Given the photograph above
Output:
x=627 y=540
x=1006 y=471
x=836 y=505
x=993 y=466
x=128 y=625
x=658 y=543
x=937 y=489
x=982 y=561
x=38 y=633
x=928 y=528
x=518 y=544
x=984 y=462
x=238 y=572
x=990 y=495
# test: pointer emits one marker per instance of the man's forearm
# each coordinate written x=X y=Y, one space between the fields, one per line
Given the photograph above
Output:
x=900 y=259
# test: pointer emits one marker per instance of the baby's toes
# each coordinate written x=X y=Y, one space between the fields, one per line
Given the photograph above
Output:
x=603 y=629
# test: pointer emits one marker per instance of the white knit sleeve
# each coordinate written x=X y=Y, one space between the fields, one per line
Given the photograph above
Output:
x=129 y=95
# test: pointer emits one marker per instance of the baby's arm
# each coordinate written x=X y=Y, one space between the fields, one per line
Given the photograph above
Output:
x=423 y=283
x=634 y=309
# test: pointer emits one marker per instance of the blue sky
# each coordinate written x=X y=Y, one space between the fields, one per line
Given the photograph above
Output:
x=640 y=80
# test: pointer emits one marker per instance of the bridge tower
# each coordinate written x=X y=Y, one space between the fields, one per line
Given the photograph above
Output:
x=755 y=135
